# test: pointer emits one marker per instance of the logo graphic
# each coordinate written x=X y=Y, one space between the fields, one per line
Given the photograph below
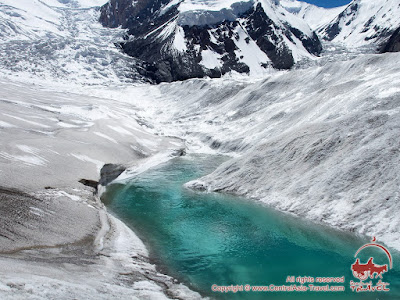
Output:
x=370 y=270
x=363 y=271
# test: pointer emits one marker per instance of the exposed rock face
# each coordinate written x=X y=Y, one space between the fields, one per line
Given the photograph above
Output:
x=182 y=40
x=109 y=172
x=393 y=44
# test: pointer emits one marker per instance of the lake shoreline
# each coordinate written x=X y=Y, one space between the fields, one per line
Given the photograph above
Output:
x=172 y=223
x=112 y=243
x=56 y=238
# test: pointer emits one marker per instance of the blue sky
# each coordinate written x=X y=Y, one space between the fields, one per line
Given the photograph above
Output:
x=328 y=3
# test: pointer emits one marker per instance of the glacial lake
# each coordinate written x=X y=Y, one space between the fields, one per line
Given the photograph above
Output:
x=206 y=239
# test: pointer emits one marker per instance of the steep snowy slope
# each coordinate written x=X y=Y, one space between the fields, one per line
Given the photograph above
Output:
x=364 y=22
x=314 y=16
x=184 y=39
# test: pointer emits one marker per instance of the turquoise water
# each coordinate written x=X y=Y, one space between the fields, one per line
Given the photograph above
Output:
x=207 y=238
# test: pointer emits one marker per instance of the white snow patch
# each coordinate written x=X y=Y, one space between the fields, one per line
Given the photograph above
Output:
x=99 y=164
x=26 y=159
x=105 y=137
x=6 y=125
x=27 y=121
x=249 y=53
x=179 y=40
x=210 y=59
x=120 y=130
x=145 y=165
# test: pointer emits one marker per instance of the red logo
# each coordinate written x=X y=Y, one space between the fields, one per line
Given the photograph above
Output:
x=370 y=269
x=362 y=272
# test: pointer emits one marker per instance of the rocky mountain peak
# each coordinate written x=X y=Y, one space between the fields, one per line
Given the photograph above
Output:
x=177 y=40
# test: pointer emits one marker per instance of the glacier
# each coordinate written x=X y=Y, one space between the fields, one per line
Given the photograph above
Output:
x=319 y=141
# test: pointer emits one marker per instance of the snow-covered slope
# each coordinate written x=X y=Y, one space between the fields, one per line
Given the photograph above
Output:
x=36 y=18
x=63 y=243
x=314 y=16
x=184 y=39
x=60 y=40
x=320 y=142
x=27 y=19
x=364 y=22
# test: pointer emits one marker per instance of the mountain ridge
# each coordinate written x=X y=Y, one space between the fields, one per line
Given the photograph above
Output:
x=364 y=23
x=315 y=16
x=187 y=39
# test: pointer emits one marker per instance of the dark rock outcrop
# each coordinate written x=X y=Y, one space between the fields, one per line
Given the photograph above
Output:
x=109 y=172
x=393 y=44
x=173 y=45
x=90 y=183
